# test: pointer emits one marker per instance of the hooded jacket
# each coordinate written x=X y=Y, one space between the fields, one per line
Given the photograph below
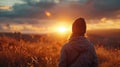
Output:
x=78 y=52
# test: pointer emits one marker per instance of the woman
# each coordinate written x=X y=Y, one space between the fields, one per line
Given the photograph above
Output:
x=78 y=52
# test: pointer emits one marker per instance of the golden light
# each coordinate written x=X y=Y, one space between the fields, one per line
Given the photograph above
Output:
x=47 y=13
x=62 y=29
x=5 y=8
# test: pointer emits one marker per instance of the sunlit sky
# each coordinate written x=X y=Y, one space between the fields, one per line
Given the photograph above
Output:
x=43 y=16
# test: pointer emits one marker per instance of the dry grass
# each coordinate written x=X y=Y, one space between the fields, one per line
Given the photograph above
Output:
x=45 y=54
x=108 y=58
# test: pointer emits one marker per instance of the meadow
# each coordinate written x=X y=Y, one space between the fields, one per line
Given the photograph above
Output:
x=45 y=52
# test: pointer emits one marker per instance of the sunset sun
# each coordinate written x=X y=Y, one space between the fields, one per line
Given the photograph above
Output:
x=62 y=29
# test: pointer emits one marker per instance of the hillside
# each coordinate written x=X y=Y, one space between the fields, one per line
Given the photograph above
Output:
x=108 y=38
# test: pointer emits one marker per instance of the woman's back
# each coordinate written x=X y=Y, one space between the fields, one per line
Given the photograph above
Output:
x=80 y=53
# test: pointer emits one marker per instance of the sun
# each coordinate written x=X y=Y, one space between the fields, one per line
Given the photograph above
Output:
x=62 y=29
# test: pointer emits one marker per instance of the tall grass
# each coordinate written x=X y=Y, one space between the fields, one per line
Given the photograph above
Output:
x=108 y=58
x=15 y=53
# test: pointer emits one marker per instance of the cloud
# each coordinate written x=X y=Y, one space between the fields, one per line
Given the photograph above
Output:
x=106 y=8
x=30 y=13
x=5 y=8
x=107 y=5
x=105 y=23
x=86 y=8
x=29 y=9
x=21 y=28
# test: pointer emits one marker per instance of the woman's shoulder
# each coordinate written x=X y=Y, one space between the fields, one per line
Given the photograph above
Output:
x=66 y=46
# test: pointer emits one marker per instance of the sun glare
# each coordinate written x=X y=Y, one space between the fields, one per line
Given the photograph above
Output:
x=47 y=13
x=62 y=29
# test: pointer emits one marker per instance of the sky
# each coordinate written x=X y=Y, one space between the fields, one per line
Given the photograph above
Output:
x=45 y=15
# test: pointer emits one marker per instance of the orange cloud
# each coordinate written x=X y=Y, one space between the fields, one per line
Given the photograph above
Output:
x=47 y=13
x=16 y=27
x=5 y=28
x=105 y=23
x=24 y=27
x=5 y=8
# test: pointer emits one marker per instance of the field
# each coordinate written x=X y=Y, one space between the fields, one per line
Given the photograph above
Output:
x=44 y=51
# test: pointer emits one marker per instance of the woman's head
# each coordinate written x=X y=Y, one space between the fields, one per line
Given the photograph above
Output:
x=79 y=27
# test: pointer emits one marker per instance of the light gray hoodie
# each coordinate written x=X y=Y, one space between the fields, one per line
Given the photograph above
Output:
x=78 y=52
